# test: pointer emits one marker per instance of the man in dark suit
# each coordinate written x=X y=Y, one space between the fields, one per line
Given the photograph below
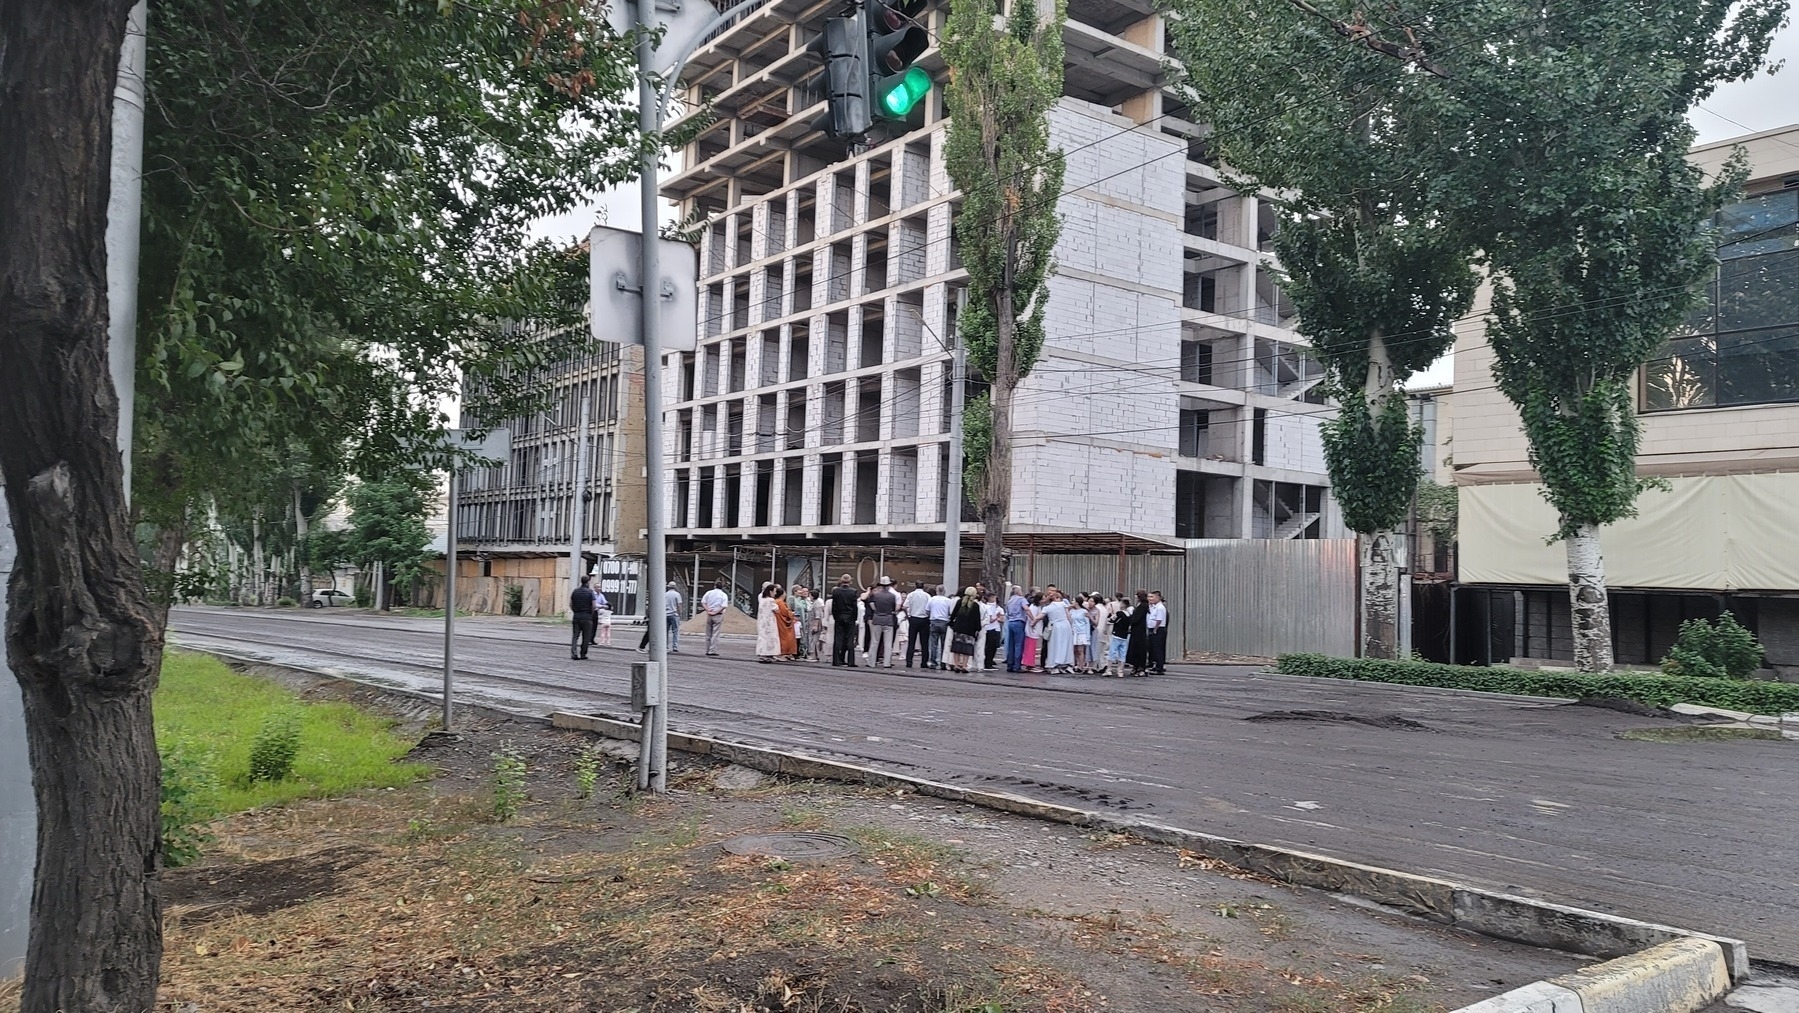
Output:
x=584 y=613
x=843 y=622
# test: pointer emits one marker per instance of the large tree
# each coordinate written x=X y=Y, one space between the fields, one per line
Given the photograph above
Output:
x=1576 y=112
x=1004 y=78
x=80 y=636
x=336 y=195
x=1306 y=102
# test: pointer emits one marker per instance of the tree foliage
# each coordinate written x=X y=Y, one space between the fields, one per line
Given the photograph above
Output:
x=387 y=526
x=1581 y=120
x=1375 y=271
x=1004 y=79
x=336 y=199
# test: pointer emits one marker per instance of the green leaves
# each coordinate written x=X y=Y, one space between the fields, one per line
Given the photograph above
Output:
x=336 y=199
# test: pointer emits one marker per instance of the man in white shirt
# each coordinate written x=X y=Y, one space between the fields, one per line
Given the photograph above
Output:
x=918 y=624
x=940 y=606
x=671 y=605
x=1157 y=624
x=714 y=602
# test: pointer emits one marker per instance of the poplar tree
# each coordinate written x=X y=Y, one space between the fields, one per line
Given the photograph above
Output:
x=1005 y=76
x=1309 y=103
x=1596 y=225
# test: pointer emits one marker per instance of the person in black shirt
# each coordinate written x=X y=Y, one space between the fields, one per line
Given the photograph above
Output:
x=843 y=622
x=584 y=613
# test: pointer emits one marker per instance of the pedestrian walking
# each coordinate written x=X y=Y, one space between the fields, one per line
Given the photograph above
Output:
x=993 y=624
x=1136 y=652
x=768 y=631
x=786 y=624
x=817 y=626
x=844 y=606
x=964 y=626
x=1081 y=620
x=1158 y=634
x=583 y=614
x=940 y=606
x=1059 y=634
x=1118 y=629
x=671 y=614
x=1017 y=618
x=884 y=610
x=714 y=604
x=918 y=623
x=1033 y=633
x=801 y=604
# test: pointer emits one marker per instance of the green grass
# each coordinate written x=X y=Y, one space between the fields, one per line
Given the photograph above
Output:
x=206 y=705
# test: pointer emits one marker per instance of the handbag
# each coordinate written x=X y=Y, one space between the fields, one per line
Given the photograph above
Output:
x=962 y=643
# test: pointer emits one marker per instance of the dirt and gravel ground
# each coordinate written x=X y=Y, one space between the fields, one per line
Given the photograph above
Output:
x=616 y=902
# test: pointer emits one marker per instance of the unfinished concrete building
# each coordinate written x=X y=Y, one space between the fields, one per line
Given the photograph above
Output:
x=1172 y=401
x=515 y=521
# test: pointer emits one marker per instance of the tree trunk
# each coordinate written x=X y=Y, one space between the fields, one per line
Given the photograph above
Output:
x=1380 y=593
x=302 y=551
x=79 y=632
x=259 y=562
x=996 y=498
x=1588 y=605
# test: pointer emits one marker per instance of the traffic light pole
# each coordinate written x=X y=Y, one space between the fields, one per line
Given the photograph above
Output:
x=655 y=575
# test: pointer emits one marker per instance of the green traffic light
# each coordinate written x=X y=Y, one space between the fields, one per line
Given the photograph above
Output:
x=900 y=94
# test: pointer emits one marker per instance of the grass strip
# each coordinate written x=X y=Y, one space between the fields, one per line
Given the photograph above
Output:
x=205 y=707
x=1753 y=696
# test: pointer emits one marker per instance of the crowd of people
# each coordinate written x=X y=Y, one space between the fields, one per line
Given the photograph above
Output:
x=1044 y=630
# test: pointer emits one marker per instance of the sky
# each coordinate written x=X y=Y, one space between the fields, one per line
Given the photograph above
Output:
x=1761 y=103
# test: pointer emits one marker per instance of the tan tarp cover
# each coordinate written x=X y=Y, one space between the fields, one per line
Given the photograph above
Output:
x=1723 y=533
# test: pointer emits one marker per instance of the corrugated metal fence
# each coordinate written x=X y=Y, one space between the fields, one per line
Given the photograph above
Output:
x=1263 y=596
x=1164 y=573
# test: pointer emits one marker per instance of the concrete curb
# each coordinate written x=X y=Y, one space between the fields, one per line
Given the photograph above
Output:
x=1498 y=915
x=1678 y=976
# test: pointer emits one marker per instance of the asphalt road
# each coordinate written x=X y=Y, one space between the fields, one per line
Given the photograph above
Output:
x=1507 y=792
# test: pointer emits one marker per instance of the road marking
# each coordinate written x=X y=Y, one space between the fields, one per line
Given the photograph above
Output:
x=1305 y=806
x=1549 y=808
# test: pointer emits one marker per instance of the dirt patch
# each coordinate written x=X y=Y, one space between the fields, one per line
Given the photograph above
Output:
x=206 y=893
x=1392 y=722
x=610 y=901
x=1701 y=733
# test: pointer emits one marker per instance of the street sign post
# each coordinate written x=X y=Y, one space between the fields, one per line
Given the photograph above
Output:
x=458 y=445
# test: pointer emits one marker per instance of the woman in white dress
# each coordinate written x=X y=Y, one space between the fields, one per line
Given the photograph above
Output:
x=768 y=626
x=1060 y=635
x=1082 y=621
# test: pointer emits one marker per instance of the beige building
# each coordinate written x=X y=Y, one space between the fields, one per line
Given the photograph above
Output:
x=1719 y=408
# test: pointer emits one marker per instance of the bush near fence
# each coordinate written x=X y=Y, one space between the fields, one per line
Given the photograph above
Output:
x=1653 y=690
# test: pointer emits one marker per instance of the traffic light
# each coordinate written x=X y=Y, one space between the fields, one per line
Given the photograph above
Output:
x=895 y=40
x=844 y=46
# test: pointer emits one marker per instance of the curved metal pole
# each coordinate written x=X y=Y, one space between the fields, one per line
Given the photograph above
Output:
x=666 y=88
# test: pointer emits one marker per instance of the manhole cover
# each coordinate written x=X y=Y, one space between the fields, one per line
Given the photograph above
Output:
x=794 y=847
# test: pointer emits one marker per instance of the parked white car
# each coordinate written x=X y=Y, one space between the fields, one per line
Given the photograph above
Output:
x=326 y=597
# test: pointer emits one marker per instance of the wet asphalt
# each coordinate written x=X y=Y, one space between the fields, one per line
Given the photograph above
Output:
x=1524 y=795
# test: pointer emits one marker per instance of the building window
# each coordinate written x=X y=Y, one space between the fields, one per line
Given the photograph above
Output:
x=1741 y=345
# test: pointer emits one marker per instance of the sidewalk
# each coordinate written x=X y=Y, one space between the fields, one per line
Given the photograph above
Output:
x=419 y=898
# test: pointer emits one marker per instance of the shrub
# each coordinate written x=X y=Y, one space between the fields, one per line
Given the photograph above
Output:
x=1653 y=690
x=285 y=602
x=587 y=771
x=363 y=598
x=276 y=747
x=515 y=599
x=508 y=784
x=190 y=791
x=1714 y=650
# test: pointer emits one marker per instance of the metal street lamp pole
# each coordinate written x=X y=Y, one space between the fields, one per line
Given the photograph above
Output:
x=578 y=519
x=650 y=278
x=450 y=596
